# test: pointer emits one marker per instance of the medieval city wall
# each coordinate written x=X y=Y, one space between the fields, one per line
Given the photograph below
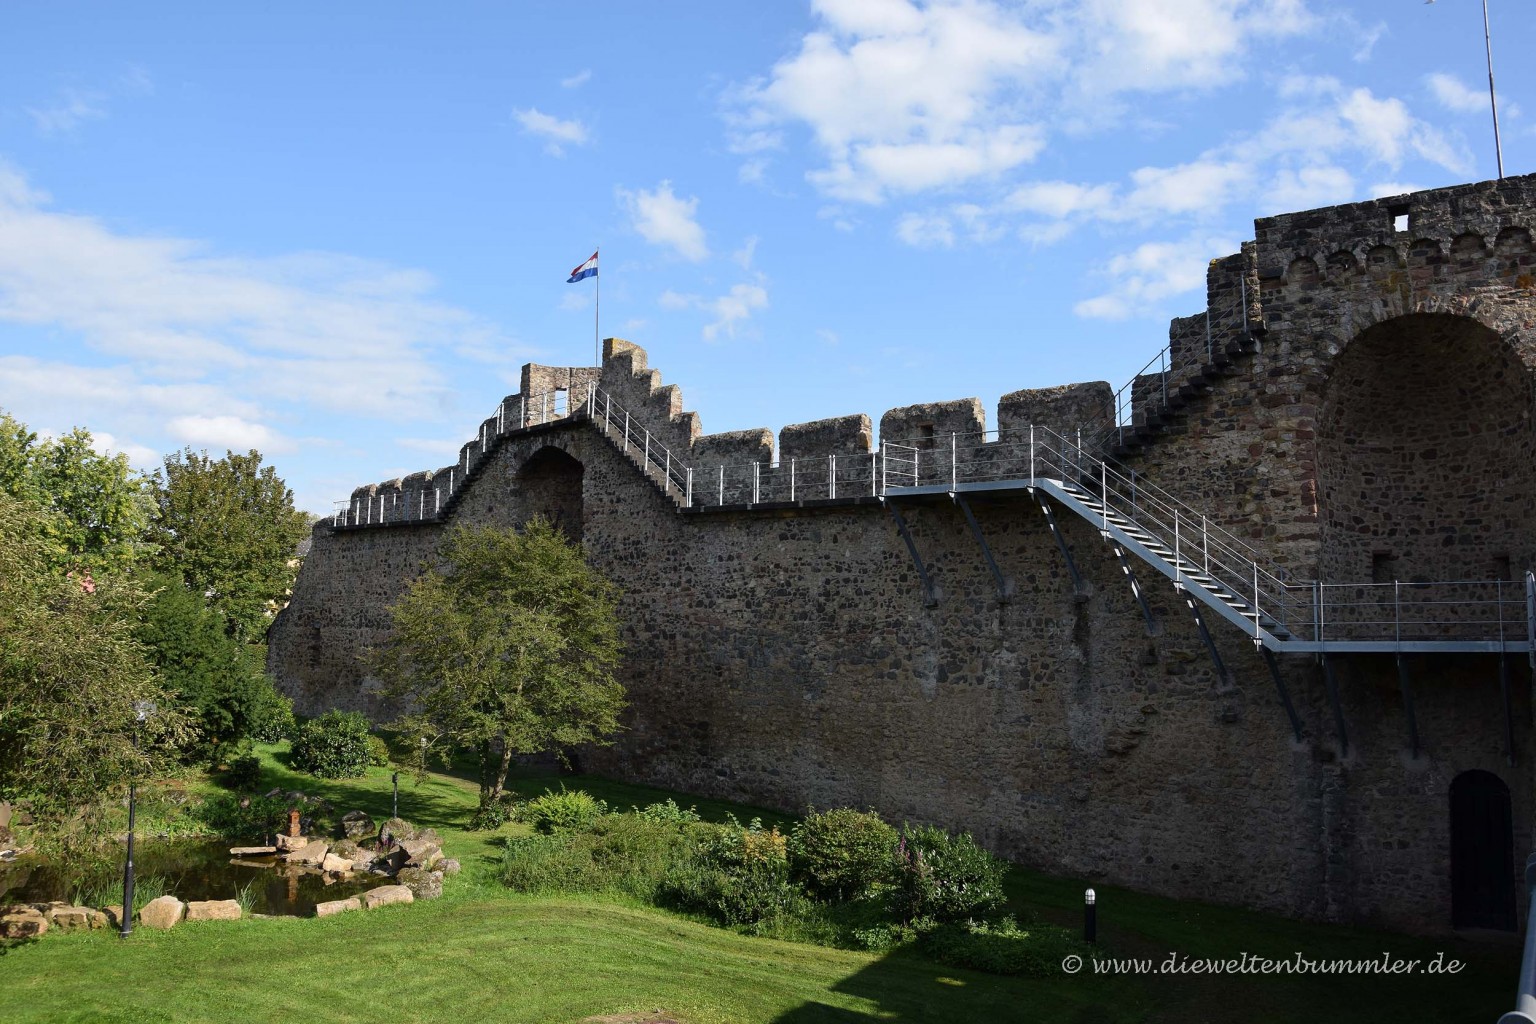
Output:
x=786 y=655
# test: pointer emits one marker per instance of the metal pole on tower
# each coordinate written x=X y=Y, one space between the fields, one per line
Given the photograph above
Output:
x=597 y=306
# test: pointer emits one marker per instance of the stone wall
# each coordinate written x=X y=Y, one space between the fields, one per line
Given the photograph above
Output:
x=783 y=653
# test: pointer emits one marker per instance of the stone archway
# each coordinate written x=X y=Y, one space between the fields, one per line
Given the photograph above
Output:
x=1482 y=853
x=1425 y=455
x=550 y=484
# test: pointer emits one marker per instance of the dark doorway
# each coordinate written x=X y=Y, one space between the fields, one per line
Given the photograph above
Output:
x=1482 y=853
x=550 y=484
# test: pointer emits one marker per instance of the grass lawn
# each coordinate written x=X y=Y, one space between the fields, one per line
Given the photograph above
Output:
x=483 y=953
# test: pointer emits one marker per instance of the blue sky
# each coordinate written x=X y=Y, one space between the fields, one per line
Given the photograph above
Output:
x=334 y=232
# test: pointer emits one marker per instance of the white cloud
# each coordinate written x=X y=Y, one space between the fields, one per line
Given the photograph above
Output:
x=1452 y=94
x=557 y=133
x=664 y=219
x=733 y=308
x=1368 y=39
x=1306 y=188
x=1152 y=273
x=577 y=80
x=926 y=231
x=1060 y=199
x=140 y=457
x=1387 y=189
x=445 y=447
x=229 y=432
x=69 y=111
x=1187 y=188
x=743 y=257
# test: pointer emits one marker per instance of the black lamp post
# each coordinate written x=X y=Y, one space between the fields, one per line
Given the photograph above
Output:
x=395 y=813
x=141 y=712
x=1090 y=917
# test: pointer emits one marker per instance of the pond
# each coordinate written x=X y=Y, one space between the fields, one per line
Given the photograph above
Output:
x=188 y=870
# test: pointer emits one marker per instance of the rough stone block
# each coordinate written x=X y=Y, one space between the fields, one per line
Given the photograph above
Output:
x=335 y=863
x=162 y=914
x=252 y=851
x=311 y=853
x=420 y=853
x=424 y=884
x=213 y=910
x=384 y=895
x=22 y=923
x=337 y=907
x=291 y=843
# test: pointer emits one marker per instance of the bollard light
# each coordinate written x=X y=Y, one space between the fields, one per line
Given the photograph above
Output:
x=1090 y=917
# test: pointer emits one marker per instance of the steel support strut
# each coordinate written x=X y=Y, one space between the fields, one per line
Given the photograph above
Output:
x=981 y=541
x=1205 y=634
x=1285 y=695
x=1332 y=685
x=1509 y=716
x=1061 y=542
x=1141 y=599
x=930 y=599
x=1406 y=684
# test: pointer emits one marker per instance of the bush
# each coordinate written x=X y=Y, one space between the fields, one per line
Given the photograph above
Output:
x=842 y=854
x=1001 y=948
x=378 y=752
x=237 y=817
x=739 y=876
x=623 y=853
x=565 y=811
x=945 y=877
x=333 y=746
x=667 y=812
x=271 y=718
x=244 y=773
x=491 y=816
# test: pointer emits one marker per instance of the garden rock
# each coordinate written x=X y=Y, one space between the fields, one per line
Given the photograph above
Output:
x=74 y=919
x=114 y=916
x=313 y=853
x=335 y=863
x=424 y=884
x=291 y=843
x=357 y=824
x=162 y=914
x=252 y=851
x=337 y=907
x=397 y=829
x=420 y=853
x=22 y=923
x=384 y=895
x=5 y=813
x=213 y=910
x=448 y=866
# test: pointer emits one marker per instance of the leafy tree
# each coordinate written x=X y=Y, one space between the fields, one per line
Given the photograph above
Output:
x=228 y=526
x=71 y=674
x=218 y=680
x=509 y=648
x=102 y=506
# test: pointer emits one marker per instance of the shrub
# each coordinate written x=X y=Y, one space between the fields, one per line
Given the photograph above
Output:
x=667 y=812
x=244 y=772
x=622 y=853
x=567 y=810
x=739 y=876
x=238 y=817
x=1001 y=948
x=490 y=816
x=272 y=717
x=333 y=746
x=842 y=854
x=378 y=752
x=945 y=877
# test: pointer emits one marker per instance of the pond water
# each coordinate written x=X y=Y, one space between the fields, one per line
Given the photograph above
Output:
x=197 y=870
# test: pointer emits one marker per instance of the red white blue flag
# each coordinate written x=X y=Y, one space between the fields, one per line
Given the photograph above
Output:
x=587 y=269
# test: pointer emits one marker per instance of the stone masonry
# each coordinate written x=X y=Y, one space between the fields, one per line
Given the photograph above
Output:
x=1371 y=420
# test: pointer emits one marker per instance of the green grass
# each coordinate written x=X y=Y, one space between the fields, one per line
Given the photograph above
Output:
x=484 y=953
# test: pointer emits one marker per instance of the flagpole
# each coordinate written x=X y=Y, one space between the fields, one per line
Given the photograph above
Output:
x=597 y=306
x=1493 y=101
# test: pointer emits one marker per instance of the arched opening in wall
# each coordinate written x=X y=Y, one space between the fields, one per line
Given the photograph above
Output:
x=550 y=485
x=1425 y=456
x=1482 y=853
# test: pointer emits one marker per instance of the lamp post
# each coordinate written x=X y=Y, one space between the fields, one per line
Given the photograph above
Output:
x=395 y=811
x=1090 y=917
x=141 y=712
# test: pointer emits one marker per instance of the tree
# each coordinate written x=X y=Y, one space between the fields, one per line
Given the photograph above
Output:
x=229 y=528
x=101 y=505
x=218 y=681
x=71 y=674
x=509 y=648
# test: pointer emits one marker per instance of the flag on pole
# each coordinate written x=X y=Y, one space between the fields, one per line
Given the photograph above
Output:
x=587 y=269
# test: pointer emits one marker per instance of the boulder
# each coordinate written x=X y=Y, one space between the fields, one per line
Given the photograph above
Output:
x=22 y=923
x=312 y=853
x=384 y=895
x=252 y=851
x=114 y=916
x=291 y=843
x=338 y=907
x=75 y=919
x=335 y=863
x=424 y=884
x=356 y=825
x=420 y=853
x=448 y=866
x=5 y=814
x=213 y=910
x=397 y=829
x=162 y=914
